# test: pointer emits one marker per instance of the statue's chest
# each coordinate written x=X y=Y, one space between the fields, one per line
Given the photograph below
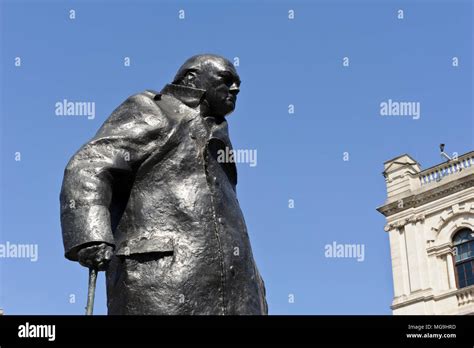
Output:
x=216 y=148
x=205 y=130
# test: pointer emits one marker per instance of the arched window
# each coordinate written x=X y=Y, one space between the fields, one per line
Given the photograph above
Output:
x=464 y=251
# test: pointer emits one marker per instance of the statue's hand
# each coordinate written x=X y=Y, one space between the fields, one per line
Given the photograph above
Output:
x=96 y=256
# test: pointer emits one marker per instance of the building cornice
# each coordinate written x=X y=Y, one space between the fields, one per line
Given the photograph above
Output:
x=440 y=250
x=463 y=296
x=416 y=200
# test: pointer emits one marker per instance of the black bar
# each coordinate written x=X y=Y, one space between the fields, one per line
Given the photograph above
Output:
x=290 y=330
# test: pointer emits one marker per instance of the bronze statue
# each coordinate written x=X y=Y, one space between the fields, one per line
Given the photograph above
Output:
x=147 y=201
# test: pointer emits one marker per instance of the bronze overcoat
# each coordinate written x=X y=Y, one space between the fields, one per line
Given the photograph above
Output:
x=149 y=183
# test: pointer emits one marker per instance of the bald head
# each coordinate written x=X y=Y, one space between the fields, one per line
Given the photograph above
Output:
x=202 y=64
x=214 y=74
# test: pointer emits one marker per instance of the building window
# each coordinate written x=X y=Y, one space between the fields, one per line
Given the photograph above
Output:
x=464 y=251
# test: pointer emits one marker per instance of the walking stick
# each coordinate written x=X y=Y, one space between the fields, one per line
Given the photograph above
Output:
x=91 y=291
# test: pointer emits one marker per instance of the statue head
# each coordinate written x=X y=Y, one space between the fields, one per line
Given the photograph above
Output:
x=215 y=75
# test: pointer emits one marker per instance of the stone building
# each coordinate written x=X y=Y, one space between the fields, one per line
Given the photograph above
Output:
x=430 y=222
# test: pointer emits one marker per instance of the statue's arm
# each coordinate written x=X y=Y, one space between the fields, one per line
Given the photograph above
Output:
x=117 y=150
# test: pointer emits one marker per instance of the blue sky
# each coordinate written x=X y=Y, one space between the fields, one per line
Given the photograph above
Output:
x=300 y=155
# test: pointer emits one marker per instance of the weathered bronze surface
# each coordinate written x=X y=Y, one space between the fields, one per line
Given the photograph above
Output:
x=147 y=200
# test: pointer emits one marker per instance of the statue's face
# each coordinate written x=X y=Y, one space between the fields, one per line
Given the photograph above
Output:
x=221 y=82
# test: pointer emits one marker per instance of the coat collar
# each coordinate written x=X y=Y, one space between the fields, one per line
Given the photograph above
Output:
x=192 y=97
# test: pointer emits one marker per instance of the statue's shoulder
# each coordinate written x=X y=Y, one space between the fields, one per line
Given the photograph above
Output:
x=145 y=98
x=136 y=109
x=142 y=103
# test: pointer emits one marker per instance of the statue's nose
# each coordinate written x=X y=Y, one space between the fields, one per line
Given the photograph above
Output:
x=234 y=89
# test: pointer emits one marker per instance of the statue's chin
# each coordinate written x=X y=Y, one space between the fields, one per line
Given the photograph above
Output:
x=224 y=113
x=224 y=109
x=230 y=109
x=227 y=113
